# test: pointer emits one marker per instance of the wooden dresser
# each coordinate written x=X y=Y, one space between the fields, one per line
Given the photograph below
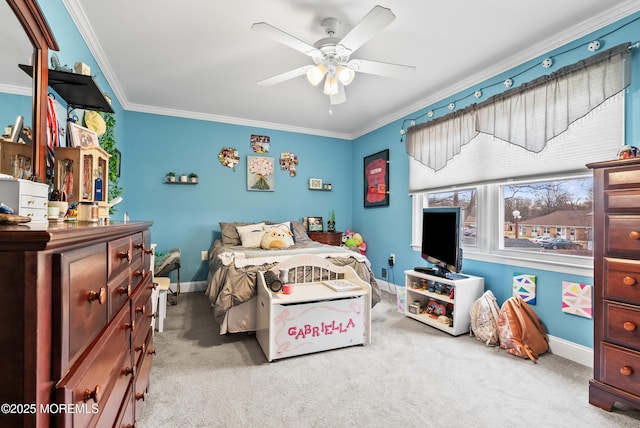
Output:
x=75 y=330
x=331 y=238
x=616 y=224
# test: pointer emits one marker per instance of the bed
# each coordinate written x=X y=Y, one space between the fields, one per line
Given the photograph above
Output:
x=239 y=253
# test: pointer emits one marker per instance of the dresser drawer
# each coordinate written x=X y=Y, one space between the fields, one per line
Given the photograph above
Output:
x=120 y=289
x=142 y=312
x=120 y=256
x=622 y=200
x=80 y=312
x=622 y=280
x=622 y=177
x=621 y=368
x=143 y=371
x=101 y=377
x=622 y=325
x=617 y=235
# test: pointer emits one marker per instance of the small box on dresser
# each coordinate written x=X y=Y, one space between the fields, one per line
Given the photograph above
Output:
x=616 y=276
x=27 y=198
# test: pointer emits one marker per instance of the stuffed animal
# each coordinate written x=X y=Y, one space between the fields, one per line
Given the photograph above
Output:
x=354 y=242
x=276 y=238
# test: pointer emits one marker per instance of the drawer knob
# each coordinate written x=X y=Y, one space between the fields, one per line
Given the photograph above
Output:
x=130 y=325
x=100 y=296
x=141 y=309
x=148 y=251
x=152 y=351
x=138 y=246
x=626 y=371
x=629 y=280
x=634 y=234
x=138 y=273
x=140 y=347
x=125 y=290
x=92 y=394
x=125 y=255
x=31 y=202
x=629 y=326
x=140 y=396
x=129 y=371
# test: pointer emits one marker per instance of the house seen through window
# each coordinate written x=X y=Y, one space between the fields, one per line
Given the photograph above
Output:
x=549 y=216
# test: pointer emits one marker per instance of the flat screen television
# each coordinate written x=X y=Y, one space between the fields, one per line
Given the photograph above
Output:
x=442 y=238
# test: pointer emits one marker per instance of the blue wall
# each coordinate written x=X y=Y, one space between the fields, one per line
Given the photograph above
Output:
x=395 y=236
x=187 y=216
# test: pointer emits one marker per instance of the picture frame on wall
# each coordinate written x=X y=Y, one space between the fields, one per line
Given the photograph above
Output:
x=314 y=224
x=315 y=184
x=376 y=179
x=260 y=177
x=79 y=136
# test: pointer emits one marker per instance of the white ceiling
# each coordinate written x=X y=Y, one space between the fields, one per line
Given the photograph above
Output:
x=200 y=59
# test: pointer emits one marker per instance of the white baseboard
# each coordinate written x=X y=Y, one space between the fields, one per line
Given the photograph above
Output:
x=190 y=287
x=557 y=346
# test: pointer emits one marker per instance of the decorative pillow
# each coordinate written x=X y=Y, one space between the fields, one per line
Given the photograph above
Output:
x=229 y=233
x=276 y=237
x=299 y=232
x=251 y=235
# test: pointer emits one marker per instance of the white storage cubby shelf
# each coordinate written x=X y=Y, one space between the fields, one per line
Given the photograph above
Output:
x=428 y=296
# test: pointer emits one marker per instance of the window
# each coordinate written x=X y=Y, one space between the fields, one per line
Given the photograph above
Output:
x=458 y=198
x=558 y=206
x=523 y=154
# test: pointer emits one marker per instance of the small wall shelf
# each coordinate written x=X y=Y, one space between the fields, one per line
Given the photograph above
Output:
x=180 y=182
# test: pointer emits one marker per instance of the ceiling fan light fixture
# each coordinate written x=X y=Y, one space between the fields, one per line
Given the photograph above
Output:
x=316 y=74
x=331 y=86
x=345 y=74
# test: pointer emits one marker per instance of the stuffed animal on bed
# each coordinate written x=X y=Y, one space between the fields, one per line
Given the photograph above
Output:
x=276 y=238
x=354 y=242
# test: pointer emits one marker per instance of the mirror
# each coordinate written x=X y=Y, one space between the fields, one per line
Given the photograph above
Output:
x=15 y=35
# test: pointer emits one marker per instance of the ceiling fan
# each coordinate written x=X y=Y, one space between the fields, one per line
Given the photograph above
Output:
x=332 y=55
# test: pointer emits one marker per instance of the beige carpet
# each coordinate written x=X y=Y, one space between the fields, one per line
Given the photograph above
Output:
x=411 y=375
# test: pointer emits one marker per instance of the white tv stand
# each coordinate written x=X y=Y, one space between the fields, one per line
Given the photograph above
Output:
x=429 y=295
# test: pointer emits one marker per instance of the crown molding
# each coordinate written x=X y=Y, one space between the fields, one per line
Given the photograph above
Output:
x=571 y=34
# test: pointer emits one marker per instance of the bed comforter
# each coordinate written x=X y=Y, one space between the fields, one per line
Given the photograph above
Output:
x=233 y=270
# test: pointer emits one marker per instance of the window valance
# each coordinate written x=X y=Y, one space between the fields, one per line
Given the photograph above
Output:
x=527 y=116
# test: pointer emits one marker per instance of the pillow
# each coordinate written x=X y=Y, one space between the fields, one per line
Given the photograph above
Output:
x=299 y=232
x=251 y=235
x=276 y=237
x=229 y=234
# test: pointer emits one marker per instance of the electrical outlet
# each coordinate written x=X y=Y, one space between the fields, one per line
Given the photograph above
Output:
x=384 y=272
x=392 y=259
x=204 y=255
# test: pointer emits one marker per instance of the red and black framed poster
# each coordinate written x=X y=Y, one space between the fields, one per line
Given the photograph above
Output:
x=376 y=179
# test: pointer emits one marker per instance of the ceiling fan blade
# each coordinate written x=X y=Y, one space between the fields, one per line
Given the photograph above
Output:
x=286 y=39
x=396 y=71
x=340 y=97
x=373 y=22
x=279 y=78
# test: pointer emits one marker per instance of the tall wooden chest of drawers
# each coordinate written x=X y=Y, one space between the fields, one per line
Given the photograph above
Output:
x=75 y=323
x=616 y=225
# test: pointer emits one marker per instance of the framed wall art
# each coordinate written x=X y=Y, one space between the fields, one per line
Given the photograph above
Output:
x=376 y=179
x=260 y=175
x=81 y=136
x=315 y=183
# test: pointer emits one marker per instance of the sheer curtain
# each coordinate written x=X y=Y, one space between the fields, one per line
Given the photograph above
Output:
x=528 y=116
